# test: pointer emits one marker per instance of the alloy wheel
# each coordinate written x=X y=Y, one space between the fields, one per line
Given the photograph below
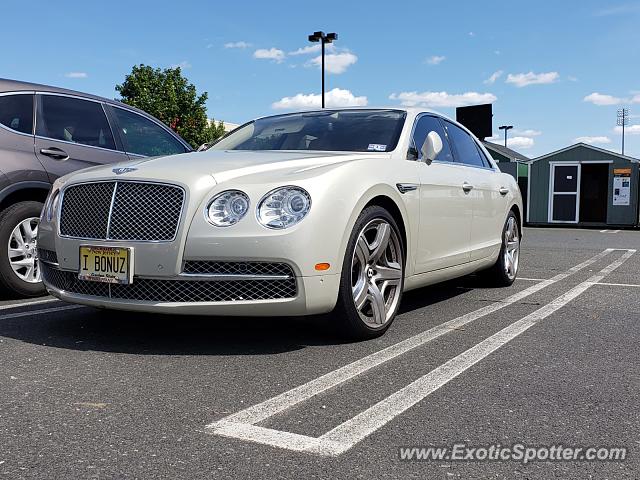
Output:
x=376 y=273
x=23 y=254
x=511 y=248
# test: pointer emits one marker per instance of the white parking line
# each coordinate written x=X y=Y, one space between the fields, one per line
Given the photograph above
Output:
x=618 y=284
x=530 y=279
x=7 y=316
x=609 y=231
x=243 y=423
x=27 y=303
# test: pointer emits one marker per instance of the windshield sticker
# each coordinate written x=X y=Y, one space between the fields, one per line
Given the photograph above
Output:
x=376 y=147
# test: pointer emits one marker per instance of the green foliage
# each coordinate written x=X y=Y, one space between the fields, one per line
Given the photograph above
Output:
x=168 y=96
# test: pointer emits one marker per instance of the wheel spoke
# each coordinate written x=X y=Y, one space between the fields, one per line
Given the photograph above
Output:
x=17 y=236
x=388 y=273
x=15 y=252
x=360 y=293
x=362 y=251
x=381 y=242
x=377 y=304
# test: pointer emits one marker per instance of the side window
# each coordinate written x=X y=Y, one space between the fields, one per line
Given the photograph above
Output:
x=73 y=120
x=427 y=124
x=144 y=137
x=465 y=146
x=16 y=112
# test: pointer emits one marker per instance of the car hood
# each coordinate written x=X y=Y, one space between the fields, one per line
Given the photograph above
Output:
x=220 y=165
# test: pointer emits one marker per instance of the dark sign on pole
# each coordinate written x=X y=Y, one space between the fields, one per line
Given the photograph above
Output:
x=477 y=118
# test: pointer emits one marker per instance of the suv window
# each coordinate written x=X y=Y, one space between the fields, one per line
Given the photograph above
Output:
x=73 y=120
x=16 y=112
x=425 y=125
x=465 y=146
x=144 y=137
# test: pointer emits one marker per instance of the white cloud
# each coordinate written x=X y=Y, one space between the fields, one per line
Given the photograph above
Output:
x=239 y=44
x=602 y=99
x=183 y=65
x=76 y=75
x=274 y=54
x=635 y=98
x=472 y=34
x=601 y=140
x=494 y=76
x=524 y=79
x=571 y=78
x=436 y=59
x=513 y=142
x=442 y=99
x=629 y=129
x=310 y=49
x=527 y=133
x=334 y=98
x=335 y=62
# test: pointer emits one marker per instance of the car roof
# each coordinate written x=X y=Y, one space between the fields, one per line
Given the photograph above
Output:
x=8 y=85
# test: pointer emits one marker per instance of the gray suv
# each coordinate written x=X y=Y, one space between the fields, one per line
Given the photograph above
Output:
x=47 y=132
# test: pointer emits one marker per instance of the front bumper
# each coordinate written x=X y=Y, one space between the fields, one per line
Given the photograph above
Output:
x=198 y=295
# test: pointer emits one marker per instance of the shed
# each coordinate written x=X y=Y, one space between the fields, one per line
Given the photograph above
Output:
x=584 y=185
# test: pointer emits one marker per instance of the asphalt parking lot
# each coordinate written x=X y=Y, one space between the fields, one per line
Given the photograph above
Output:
x=551 y=360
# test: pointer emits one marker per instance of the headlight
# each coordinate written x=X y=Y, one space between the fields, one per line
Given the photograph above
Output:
x=283 y=207
x=227 y=208
x=51 y=205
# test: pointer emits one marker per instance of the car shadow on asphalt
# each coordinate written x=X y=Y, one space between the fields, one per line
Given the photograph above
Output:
x=89 y=329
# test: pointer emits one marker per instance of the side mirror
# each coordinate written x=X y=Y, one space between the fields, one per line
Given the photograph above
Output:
x=431 y=147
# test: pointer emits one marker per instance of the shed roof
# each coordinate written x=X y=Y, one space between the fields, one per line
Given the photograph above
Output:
x=505 y=151
x=585 y=145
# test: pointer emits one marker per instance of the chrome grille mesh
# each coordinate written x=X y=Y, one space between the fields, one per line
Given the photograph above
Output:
x=184 y=291
x=85 y=210
x=236 y=268
x=139 y=211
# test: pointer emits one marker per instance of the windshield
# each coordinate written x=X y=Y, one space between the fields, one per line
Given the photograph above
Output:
x=335 y=130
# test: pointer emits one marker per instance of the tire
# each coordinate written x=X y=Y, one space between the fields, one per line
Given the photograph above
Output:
x=20 y=281
x=505 y=270
x=371 y=277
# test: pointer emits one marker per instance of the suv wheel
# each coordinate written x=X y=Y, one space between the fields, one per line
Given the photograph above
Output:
x=19 y=269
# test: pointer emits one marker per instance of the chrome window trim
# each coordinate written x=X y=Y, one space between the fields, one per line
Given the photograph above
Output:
x=33 y=123
x=175 y=235
x=77 y=97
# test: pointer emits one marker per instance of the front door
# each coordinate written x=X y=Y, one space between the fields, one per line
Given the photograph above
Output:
x=564 y=193
x=72 y=133
x=445 y=207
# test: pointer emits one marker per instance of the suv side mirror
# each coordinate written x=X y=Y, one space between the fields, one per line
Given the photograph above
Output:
x=431 y=147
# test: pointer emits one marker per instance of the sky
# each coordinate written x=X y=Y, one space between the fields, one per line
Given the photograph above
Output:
x=557 y=71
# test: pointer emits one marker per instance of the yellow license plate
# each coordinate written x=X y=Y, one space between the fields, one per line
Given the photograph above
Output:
x=106 y=264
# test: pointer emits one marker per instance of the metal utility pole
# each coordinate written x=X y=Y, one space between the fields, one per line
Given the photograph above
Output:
x=505 y=128
x=323 y=39
x=623 y=121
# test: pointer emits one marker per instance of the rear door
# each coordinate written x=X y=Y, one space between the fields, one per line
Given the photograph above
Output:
x=483 y=182
x=445 y=207
x=73 y=133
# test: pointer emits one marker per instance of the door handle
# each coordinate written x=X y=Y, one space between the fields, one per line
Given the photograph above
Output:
x=467 y=187
x=503 y=191
x=55 y=153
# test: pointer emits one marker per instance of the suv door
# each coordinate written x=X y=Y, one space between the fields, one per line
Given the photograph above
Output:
x=488 y=204
x=445 y=207
x=142 y=136
x=72 y=133
x=16 y=140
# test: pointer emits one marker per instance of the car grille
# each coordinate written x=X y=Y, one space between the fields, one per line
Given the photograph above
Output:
x=204 y=267
x=136 y=211
x=47 y=255
x=184 y=291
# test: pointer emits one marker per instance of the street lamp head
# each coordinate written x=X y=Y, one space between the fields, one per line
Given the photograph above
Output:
x=331 y=37
x=505 y=127
x=314 y=38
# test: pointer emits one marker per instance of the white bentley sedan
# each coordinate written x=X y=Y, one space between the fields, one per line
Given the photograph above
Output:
x=306 y=213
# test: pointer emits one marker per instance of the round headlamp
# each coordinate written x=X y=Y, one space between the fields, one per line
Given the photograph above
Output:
x=227 y=208
x=283 y=207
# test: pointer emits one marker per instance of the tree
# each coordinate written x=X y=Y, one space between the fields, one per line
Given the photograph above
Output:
x=168 y=96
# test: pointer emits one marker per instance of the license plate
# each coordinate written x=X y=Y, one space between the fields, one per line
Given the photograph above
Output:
x=106 y=264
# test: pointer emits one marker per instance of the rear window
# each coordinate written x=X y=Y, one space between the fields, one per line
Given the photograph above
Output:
x=16 y=112
x=74 y=120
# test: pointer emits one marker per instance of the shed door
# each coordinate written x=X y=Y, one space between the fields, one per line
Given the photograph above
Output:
x=565 y=184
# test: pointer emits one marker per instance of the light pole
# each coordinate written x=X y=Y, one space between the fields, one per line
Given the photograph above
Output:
x=505 y=128
x=623 y=121
x=323 y=39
